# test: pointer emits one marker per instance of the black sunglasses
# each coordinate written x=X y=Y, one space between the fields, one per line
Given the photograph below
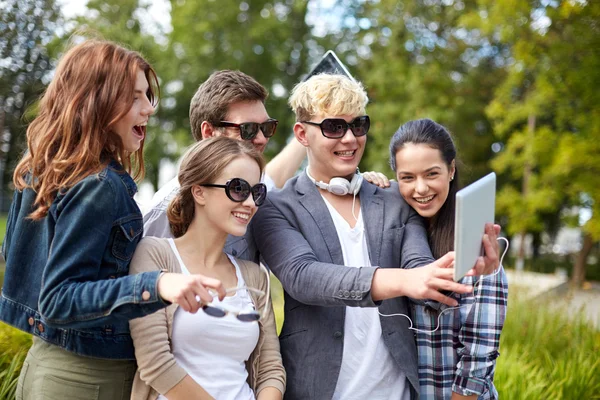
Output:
x=249 y=130
x=238 y=190
x=244 y=316
x=335 y=128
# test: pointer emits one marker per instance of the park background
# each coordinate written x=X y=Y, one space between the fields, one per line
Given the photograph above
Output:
x=516 y=82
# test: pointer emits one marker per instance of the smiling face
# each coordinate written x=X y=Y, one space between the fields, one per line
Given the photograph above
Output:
x=223 y=213
x=329 y=158
x=132 y=126
x=423 y=178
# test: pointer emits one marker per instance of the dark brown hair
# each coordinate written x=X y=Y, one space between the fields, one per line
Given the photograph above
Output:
x=222 y=89
x=434 y=135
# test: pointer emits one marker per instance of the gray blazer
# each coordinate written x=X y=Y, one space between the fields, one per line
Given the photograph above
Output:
x=297 y=239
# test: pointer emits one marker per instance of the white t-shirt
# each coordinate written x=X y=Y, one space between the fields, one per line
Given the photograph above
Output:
x=156 y=222
x=368 y=370
x=212 y=350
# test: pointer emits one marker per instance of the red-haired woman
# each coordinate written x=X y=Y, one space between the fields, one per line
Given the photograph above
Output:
x=73 y=227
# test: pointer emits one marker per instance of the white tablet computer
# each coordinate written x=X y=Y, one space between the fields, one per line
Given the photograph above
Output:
x=475 y=205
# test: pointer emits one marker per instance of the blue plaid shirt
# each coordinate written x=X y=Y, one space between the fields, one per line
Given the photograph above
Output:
x=461 y=355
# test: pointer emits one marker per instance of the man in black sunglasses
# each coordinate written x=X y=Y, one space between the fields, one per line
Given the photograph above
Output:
x=344 y=250
x=229 y=103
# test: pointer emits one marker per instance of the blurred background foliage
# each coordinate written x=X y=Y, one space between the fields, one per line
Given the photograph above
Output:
x=516 y=82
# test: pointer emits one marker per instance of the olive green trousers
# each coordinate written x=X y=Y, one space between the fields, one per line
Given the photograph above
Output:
x=52 y=373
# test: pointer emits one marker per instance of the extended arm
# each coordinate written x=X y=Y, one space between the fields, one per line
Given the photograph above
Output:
x=310 y=281
x=70 y=295
x=285 y=164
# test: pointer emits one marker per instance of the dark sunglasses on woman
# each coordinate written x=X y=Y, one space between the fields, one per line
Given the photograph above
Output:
x=249 y=130
x=335 y=128
x=238 y=190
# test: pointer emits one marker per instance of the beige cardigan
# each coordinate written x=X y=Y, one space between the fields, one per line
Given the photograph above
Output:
x=158 y=372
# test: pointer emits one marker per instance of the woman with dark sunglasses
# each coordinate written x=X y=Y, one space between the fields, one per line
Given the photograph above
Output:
x=229 y=350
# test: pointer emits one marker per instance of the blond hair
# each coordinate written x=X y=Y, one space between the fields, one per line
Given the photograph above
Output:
x=326 y=94
x=203 y=163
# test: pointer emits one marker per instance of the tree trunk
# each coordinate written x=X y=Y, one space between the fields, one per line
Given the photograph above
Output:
x=527 y=168
x=580 y=263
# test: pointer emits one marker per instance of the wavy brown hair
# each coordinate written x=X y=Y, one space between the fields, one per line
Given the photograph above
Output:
x=203 y=163
x=72 y=136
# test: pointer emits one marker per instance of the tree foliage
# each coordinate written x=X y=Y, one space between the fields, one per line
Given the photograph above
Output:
x=27 y=28
x=265 y=39
x=546 y=109
x=417 y=61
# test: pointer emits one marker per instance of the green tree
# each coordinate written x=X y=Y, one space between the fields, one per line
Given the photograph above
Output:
x=123 y=21
x=265 y=39
x=27 y=29
x=546 y=110
x=417 y=61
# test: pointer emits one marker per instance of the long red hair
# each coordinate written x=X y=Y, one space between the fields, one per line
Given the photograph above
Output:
x=72 y=136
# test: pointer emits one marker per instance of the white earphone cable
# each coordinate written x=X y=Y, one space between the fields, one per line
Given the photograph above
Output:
x=475 y=293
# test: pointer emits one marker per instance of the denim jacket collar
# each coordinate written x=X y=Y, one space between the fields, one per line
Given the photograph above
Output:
x=124 y=176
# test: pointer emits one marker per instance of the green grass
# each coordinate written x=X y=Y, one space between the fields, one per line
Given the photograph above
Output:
x=547 y=353
x=2 y=232
x=2 y=226
x=13 y=348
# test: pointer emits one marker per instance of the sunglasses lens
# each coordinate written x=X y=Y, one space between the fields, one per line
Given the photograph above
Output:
x=361 y=125
x=213 y=311
x=268 y=128
x=259 y=193
x=238 y=189
x=249 y=317
x=248 y=130
x=334 y=128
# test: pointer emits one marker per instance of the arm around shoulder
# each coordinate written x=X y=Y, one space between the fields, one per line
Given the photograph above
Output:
x=285 y=164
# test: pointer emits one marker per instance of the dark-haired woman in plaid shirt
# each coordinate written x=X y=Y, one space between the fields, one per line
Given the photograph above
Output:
x=457 y=350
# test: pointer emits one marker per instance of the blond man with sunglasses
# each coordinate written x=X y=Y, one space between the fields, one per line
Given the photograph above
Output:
x=229 y=348
x=344 y=249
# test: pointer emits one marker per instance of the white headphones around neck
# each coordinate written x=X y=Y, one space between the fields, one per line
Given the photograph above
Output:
x=340 y=186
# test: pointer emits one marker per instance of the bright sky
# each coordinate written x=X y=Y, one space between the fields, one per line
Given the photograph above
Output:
x=159 y=12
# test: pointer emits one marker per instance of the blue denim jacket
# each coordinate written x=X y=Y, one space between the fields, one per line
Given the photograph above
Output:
x=66 y=277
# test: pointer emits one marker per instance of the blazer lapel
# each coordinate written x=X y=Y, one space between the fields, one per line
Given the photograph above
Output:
x=312 y=201
x=371 y=205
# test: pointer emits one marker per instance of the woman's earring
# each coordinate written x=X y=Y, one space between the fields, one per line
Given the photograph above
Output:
x=452 y=178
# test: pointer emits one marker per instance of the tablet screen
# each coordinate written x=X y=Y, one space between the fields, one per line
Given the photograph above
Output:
x=475 y=206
